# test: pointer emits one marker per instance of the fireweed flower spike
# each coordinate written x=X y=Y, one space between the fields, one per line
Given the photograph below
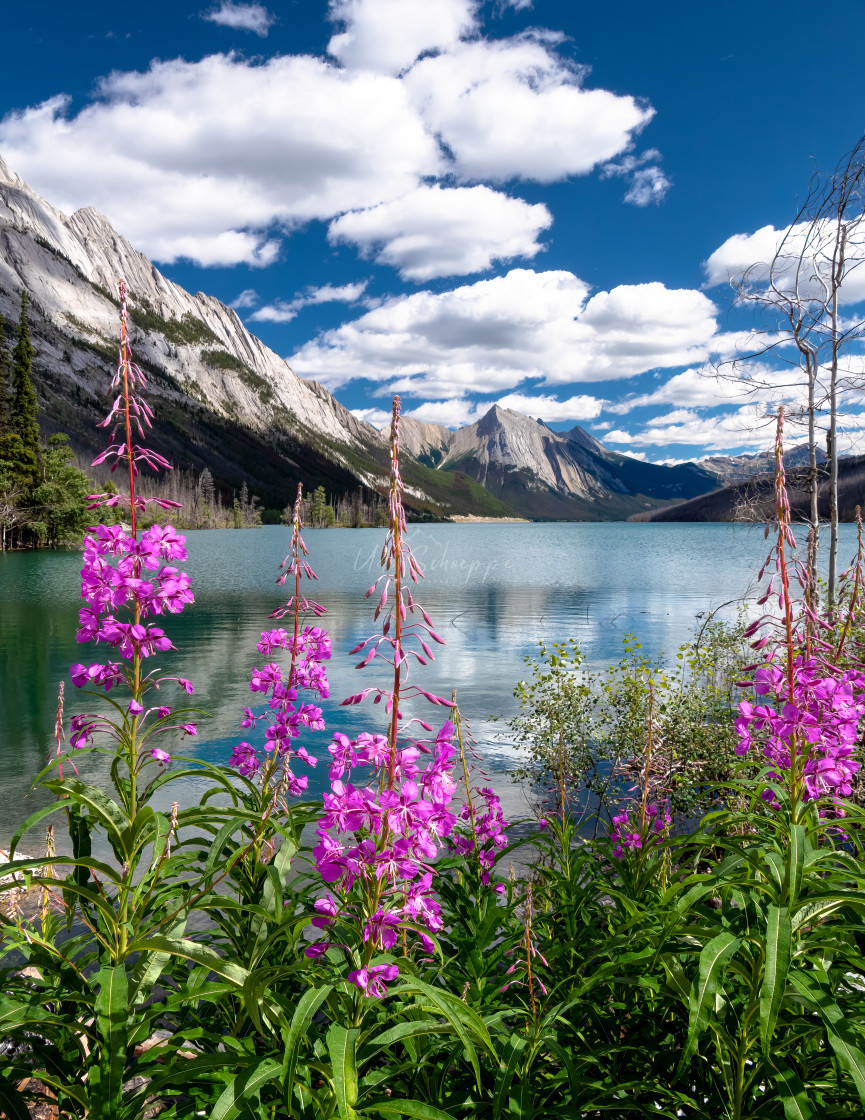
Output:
x=127 y=579
x=377 y=843
x=807 y=716
x=286 y=715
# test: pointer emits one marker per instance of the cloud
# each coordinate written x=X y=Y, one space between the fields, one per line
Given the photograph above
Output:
x=388 y=35
x=495 y=334
x=743 y=428
x=647 y=182
x=247 y=298
x=202 y=159
x=283 y=311
x=752 y=253
x=436 y=231
x=378 y=417
x=457 y=412
x=514 y=109
x=579 y=407
x=242 y=17
x=217 y=160
x=702 y=387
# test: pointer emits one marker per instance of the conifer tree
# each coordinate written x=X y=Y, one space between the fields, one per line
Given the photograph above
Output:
x=24 y=404
x=5 y=390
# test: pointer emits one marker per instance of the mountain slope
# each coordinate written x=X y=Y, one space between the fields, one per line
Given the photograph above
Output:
x=222 y=399
x=557 y=475
x=753 y=499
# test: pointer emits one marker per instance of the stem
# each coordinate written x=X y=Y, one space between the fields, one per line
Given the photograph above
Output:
x=529 y=952
x=459 y=731
x=854 y=595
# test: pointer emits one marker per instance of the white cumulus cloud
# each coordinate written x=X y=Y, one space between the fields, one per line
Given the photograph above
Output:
x=241 y=17
x=647 y=183
x=514 y=108
x=388 y=35
x=202 y=159
x=438 y=231
x=283 y=311
x=247 y=298
x=495 y=334
x=219 y=159
x=752 y=253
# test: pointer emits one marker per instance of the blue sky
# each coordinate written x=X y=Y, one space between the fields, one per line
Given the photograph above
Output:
x=465 y=202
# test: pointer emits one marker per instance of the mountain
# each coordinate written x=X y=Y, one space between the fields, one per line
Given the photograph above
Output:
x=753 y=499
x=553 y=475
x=223 y=400
x=731 y=469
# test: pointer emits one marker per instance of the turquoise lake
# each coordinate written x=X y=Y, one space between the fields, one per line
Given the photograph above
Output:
x=493 y=590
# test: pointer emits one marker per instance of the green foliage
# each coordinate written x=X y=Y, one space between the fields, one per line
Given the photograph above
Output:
x=42 y=495
x=592 y=733
x=188 y=330
x=221 y=359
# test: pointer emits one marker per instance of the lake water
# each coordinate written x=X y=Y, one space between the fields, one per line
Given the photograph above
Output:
x=494 y=591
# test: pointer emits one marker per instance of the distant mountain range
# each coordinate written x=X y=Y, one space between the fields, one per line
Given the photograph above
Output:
x=225 y=401
x=753 y=499
x=552 y=475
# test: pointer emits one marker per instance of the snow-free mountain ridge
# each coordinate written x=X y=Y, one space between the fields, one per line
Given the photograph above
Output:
x=226 y=401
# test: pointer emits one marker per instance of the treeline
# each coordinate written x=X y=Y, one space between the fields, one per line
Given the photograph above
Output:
x=203 y=504
x=358 y=510
x=43 y=495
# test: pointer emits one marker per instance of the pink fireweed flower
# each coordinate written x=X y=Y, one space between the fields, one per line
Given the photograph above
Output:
x=286 y=716
x=126 y=578
x=377 y=841
x=372 y=982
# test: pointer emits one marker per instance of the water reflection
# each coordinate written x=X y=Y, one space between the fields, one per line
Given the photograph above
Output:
x=494 y=592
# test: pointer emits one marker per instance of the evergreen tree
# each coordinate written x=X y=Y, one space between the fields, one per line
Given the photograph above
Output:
x=59 y=499
x=316 y=512
x=24 y=398
x=5 y=374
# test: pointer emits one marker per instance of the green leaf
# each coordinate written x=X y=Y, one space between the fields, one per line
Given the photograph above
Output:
x=511 y=1057
x=418 y=1109
x=779 y=939
x=107 y=1075
x=192 y=951
x=793 y=1095
x=100 y=806
x=242 y=1087
x=400 y=1032
x=439 y=1000
x=342 y=1047
x=815 y=988
x=303 y=1015
x=11 y=1103
x=705 y=987
x=219 y=841
x=520 y=1102
x=148 y=968
x=798 y=843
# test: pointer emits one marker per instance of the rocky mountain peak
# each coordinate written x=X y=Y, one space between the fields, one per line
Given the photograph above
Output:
x=70 y=266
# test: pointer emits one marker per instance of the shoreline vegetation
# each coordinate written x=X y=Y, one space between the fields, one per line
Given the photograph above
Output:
x=262 y=956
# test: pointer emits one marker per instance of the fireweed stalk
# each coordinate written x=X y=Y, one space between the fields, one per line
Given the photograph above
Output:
x=482 y=834
x=127 y=580
x=308 y=648
x=376 y=845
x=807 y=724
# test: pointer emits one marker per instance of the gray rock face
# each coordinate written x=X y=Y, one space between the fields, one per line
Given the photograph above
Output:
x=426 y=442
x=70 y=267
x=505 y=438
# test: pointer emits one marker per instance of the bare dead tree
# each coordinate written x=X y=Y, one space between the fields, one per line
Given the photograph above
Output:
x=799 y=291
